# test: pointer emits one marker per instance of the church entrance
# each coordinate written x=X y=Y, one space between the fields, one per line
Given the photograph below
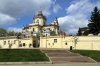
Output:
x=34 y=43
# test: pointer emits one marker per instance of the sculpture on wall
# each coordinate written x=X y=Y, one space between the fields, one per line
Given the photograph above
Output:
x=75 y=40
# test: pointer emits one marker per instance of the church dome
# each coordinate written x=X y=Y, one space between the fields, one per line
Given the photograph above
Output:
x=40 y=15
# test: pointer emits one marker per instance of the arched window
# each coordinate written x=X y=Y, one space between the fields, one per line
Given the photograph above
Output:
x=23 y=44
x=30 y=45
x=33 y=29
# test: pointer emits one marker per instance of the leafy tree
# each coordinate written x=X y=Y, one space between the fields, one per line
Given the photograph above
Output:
x=79 y=32
x=94 y=24
x=10 y=33
x=3 y=32
x=18 y=34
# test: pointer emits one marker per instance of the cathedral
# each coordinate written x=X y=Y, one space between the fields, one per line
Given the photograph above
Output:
x=39 y=26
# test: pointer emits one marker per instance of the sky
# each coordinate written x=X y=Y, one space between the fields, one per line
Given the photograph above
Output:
x=71 y=14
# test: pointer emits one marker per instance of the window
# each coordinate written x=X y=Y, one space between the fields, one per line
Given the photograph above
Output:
x=4 y=42
x=55 y=40
x=14 y=41
x=30 y=45
x=33 y=29
x=23 y=44
x=8 y=42
x=66 y=43
x=20 y=45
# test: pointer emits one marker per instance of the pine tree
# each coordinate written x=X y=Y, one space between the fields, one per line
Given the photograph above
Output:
x=94 y=24
x=79 y=32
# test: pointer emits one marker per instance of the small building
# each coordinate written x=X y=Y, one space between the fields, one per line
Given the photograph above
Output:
x=83 y=29
x=15 y=42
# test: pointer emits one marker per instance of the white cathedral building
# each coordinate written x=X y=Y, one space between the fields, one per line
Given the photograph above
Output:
x=39 y=26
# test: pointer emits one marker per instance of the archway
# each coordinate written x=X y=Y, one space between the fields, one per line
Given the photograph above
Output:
x=34 y=43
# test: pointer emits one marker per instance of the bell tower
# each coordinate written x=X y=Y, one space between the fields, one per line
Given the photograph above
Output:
x=40 y=18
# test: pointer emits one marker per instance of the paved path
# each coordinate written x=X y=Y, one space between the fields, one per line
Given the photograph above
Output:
x=69 y=64
x=64 y=56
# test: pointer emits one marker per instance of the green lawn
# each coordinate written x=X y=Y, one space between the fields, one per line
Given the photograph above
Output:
x=22 y=55
x=90 y=53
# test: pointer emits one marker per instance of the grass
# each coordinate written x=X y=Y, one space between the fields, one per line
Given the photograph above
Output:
x=90 y=53
x=22 y=55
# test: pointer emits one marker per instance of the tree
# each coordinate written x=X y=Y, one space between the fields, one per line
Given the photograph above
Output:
x=86 y=32
x=94 y=24
x=79 y=32
x=3 y=32
x=10 y=33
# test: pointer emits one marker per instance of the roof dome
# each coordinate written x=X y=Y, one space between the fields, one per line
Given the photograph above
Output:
x=40 y=15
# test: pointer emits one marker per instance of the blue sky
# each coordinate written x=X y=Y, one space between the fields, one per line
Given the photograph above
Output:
x=71 y=14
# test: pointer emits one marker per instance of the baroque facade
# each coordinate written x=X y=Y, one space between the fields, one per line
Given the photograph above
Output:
x=39 y=26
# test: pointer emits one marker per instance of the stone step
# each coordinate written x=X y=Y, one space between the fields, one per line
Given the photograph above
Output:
x=62 y=55
x=55 y=51
x=64 y=62
x=73 y=59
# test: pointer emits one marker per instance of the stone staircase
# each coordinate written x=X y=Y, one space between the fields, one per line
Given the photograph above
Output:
x=64 y=56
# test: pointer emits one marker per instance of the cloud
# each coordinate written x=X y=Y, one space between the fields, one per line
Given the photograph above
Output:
x=6 y=19
x=56 y=8
x=14 y=29
x=53 y=2
x=84 y=6
x=78 y=14
x=16 y=9
x=71 y=23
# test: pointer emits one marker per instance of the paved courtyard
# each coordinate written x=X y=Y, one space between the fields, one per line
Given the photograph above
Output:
x=68 y=64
